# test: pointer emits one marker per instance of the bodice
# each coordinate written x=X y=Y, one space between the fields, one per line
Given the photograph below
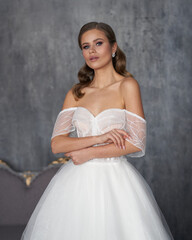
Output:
x=87 y=124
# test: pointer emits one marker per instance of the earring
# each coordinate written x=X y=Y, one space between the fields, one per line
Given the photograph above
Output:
x=113 y=54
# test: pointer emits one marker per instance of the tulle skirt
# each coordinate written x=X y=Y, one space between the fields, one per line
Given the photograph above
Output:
x=102 y=199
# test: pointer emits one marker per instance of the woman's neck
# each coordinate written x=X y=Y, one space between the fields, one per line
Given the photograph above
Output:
x=104 y=77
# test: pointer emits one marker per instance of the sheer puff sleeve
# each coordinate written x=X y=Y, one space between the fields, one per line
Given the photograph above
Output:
x=136 y=127
x=64 y=123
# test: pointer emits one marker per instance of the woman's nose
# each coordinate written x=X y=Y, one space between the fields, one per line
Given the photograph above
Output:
x=92 y=49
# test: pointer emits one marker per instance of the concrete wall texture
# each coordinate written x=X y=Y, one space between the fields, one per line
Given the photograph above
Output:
x=39 y=61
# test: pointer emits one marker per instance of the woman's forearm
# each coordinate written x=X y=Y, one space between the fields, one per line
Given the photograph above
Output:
x=110 y=150
x=62 y=144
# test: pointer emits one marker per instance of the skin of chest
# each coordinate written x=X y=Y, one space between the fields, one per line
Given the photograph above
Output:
x=98 y=100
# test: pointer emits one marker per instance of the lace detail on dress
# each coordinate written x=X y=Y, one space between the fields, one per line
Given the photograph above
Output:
x=136 y=127
x=63 y=123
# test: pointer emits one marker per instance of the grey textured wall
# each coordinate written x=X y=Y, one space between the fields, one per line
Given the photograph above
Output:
x=39 y=61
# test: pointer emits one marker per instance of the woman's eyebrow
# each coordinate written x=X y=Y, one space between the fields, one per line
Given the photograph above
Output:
x=93 y=41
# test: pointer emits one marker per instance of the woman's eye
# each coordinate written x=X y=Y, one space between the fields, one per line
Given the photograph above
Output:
x=99 y=43
x=85 y=47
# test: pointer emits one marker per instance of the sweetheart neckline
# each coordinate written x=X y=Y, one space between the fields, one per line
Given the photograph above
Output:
x=95 y=116
x=116 y=109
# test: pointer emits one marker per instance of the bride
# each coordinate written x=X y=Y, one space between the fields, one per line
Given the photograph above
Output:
x=98 y=194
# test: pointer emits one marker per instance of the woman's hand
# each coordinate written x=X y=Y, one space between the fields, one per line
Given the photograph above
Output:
x=117 y=136
x=79 y=156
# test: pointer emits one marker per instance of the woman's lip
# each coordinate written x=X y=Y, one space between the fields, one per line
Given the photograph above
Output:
x=93 y=58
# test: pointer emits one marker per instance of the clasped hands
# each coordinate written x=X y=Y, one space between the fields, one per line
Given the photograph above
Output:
x=116 y=136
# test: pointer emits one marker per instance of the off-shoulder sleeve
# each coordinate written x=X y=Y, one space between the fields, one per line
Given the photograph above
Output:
x=64 y=123
x=136 y=127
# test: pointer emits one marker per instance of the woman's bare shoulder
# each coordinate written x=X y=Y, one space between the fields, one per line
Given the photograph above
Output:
x=69 y=100
x=130 y=91
x=129 y=83
x=129 y=86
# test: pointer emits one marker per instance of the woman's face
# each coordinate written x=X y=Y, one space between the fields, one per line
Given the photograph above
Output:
x=96 y=49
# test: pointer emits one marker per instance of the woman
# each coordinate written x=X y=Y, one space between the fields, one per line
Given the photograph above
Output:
x=98 y=194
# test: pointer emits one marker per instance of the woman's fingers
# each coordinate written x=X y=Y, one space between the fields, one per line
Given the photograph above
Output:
x=124 y=133
x=114 y=139
x=119 y=138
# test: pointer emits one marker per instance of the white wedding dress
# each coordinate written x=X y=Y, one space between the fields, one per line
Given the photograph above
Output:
x=101 y=199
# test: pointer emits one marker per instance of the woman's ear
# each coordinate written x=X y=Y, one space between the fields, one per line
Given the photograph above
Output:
x=114 y=48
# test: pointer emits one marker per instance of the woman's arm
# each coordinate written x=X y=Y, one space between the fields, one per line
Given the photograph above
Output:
x=68 y=144
x=110 y=150
x=104 y=151
x=62 y=144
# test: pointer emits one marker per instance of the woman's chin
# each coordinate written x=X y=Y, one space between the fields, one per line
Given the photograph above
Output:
x=96 y=66
x=93 y=65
